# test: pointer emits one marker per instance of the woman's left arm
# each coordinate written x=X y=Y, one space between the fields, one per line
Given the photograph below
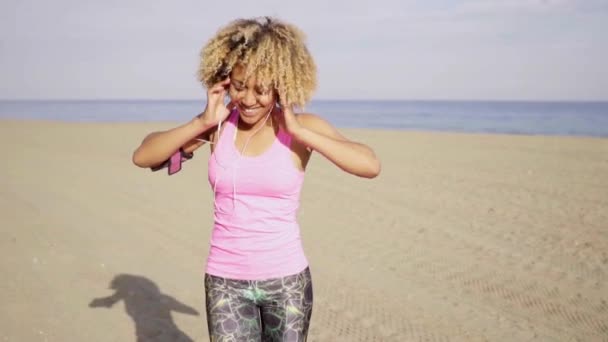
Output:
x=319 y=135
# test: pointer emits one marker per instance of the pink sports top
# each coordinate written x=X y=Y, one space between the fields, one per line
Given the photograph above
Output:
x=255 y=234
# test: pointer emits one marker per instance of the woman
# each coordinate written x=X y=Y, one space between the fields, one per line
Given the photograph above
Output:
x=257 y=280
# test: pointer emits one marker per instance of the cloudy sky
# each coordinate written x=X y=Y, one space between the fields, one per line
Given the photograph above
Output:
x=381 y=49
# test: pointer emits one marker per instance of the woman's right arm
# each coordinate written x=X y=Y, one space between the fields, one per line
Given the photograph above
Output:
x=157 y=147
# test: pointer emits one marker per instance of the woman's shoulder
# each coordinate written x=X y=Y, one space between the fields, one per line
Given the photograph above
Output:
x=318 y=124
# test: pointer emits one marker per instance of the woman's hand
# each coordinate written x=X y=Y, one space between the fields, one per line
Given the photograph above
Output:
x=288 y=118
x=216 y=111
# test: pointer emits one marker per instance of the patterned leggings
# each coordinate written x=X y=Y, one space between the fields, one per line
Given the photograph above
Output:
x=259 y=310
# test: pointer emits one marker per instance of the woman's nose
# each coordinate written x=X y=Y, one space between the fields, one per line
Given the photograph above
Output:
x=248 y=98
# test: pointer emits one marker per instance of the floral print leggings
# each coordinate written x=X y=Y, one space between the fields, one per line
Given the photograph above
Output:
x=259 y=310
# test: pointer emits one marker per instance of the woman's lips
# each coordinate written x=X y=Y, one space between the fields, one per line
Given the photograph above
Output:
x=249 y=111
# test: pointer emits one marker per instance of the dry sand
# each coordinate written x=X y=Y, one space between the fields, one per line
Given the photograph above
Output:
x=462 y=238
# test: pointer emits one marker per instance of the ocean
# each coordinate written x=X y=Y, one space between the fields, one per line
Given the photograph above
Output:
x=503 y=117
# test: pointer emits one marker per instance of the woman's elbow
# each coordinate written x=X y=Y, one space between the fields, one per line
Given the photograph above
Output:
x=138 y=159
x=375 y=169
x=372 y=169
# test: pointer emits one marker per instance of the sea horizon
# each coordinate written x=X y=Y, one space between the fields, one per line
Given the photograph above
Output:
x=528 y=117
x=135 y=99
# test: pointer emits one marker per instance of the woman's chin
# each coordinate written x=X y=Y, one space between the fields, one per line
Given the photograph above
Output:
x=251 y=119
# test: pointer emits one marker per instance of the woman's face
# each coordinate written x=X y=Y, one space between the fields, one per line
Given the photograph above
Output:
x=254 y=99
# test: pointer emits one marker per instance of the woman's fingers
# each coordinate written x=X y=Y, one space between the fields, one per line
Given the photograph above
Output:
x=220 y=86
x=223 y=84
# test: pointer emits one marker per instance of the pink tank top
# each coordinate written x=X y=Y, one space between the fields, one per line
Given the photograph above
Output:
x=255 y=234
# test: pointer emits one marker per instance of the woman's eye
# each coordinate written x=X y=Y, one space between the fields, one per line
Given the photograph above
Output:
x=262 y=91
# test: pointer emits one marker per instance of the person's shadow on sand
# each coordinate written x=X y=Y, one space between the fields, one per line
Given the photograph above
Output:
x=148 y=307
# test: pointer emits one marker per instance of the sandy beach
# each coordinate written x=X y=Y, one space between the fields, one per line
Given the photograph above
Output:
x=463 y=237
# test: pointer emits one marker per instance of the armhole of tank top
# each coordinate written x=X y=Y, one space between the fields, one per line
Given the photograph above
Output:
x=288 y=141
x=216 y=136
x=212 y=137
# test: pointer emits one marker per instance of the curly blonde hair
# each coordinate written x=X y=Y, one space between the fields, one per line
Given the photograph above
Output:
x=273 y=51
